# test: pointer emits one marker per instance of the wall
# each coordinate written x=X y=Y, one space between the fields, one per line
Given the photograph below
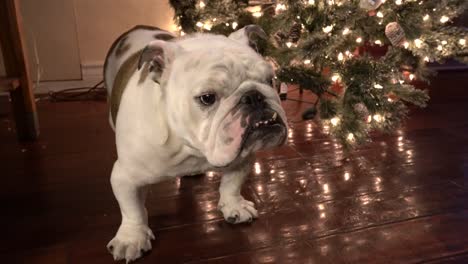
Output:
x=99 y=23
x=73 y=36
x=2 y=67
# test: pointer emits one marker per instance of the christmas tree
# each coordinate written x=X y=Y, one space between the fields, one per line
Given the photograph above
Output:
x=360 y=57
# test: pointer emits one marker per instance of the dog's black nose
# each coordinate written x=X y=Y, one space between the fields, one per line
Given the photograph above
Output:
x=253 y=98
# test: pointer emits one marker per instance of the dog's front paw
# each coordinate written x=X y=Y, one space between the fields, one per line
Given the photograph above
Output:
x=130 y=242
x=237 y=210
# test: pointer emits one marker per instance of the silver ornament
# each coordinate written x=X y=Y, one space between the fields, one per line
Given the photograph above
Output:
x=395 y=34
x=370 y=5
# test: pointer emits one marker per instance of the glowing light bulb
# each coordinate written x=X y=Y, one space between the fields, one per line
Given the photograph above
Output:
x=411 y=77
x=359 y=40
x=418 y=43
x=289 y=44
x=378 y=86
x=199 y=24
x=350 y=137
x=377 y=118
x=369 y=119
x=182 y=33
x=439 y=48
x=398 y=2
x=202 y=4
x=336 y=77
x=311 y=2
x=234 y=25
x=257 y=14
x=207 y=26
x=406 y=44
x=444 y=19
x=280 y=7
x=340 y=56
x=335 y=121
x=346 y=31
x=328 y=29
x=306 y=61
x=426 y=17
x=380 y=14
x=426 y=59
x=444 y=42
x=462 y=42
x=378 y=42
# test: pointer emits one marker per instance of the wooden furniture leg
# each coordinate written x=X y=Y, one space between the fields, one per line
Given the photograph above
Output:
x=15 y=60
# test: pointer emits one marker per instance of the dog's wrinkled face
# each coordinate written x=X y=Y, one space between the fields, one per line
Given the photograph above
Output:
x=220 y=101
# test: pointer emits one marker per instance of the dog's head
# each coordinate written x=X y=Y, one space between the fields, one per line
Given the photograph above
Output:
x=217 y=94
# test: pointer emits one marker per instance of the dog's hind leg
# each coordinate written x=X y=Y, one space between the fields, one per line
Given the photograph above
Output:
x=134 y=236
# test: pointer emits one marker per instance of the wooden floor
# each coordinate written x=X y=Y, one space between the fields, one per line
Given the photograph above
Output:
x=401 y=199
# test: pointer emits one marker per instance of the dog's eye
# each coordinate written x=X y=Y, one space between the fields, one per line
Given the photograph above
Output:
x=207 y=99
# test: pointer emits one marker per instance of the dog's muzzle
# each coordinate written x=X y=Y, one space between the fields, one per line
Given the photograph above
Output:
x=264 y=123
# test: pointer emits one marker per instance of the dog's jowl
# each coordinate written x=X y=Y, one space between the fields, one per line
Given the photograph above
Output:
x=181 y=106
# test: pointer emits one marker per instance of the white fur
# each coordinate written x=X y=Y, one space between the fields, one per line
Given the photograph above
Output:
x=161 y=132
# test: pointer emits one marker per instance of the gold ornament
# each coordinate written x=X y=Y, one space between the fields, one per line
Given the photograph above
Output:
x=395 y=34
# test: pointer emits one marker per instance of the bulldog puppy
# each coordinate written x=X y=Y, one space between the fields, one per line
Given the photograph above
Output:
x=181 y=107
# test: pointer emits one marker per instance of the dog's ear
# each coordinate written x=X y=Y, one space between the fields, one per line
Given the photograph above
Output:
x=250 y=35
x=159 y=54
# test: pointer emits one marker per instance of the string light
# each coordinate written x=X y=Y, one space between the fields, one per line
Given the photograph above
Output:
x=378 y=118
x=462 y=42
x=444 y=19
x=234 y=25
x=350 y=137
x=444 y=42
x=378 y=86
x=359 y=40
x=311 y=2
x=280 y=7
x=346 y=31
x=380 y=14
x=398 y=2
x=369 y=119
x=335 y=121
x=426 y=59
x=418 y=43
x=306 y=61
x=406 y=44
x=199 y=24
x=426 y=17
x=289 y=44
x=378 y=42
x=335 y=77
x=340 y=56
x=439 y=47
x=202 y=4
x=207 y=26
x=257 y=14
x=328 y=29
x=411 y=77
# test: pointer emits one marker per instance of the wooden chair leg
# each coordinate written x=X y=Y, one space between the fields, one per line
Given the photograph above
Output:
x=15 y=60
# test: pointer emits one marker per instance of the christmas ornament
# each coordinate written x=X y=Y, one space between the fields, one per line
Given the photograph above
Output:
x=295 y=32
x=395 y=34
x=370 y=5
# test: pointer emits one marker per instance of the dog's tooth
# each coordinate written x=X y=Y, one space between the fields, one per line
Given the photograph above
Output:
x=274 y=116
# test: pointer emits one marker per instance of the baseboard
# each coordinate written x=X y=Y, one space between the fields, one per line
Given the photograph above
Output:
x=91 y=73
x=91 y=69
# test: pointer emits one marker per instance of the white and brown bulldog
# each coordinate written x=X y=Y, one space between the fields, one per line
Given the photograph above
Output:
x=181 y=106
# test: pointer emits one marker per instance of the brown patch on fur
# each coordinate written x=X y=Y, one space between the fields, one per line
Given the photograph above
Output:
x=163 y=36
x=120 y=83
x=117 y=41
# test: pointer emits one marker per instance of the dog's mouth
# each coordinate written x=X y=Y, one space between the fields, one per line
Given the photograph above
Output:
x=265 y=130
